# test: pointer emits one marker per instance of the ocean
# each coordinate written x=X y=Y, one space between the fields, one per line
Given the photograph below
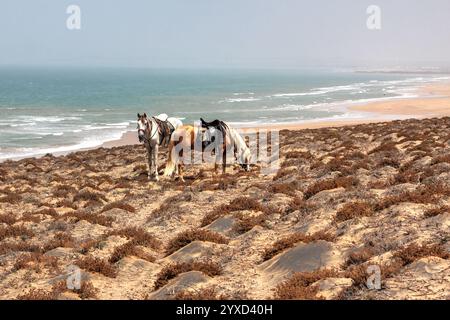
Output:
x=51 y=110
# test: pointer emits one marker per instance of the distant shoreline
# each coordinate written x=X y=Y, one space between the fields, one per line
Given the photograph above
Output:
x=431 y=101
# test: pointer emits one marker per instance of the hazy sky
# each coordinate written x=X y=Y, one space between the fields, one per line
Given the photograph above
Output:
x=225 y=33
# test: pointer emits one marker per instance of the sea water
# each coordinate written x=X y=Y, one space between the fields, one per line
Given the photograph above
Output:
x=48 y=110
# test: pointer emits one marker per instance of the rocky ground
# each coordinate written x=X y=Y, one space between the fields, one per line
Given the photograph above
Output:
x=346 y=204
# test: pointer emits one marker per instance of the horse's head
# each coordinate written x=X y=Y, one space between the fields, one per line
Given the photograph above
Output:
x=142 y=126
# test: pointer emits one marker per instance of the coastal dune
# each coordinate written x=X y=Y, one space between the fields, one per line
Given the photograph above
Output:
x=344 y=199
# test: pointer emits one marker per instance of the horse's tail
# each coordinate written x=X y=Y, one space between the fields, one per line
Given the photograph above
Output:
x=171 y=160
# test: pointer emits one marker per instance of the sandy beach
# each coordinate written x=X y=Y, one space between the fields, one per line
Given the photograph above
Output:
x=433 y=101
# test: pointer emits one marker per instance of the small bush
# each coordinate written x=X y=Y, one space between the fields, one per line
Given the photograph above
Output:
x=119 y=205
x=299 y=287
x=437 y=211
x=173 y=270
x=11 y=198
x=92 y=264
x=359 y=256
x=89 y=217
x=186 y=237
x=86 y=195
x=341 y=182
x=353 y=210
x=15 y=231
x=129 y=249
x=202 y=294
x=238 y=204
x=415 y=252
x=139 y=237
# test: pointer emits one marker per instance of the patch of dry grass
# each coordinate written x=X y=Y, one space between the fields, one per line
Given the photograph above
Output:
x=353 y=210
x=119 y=205
x=298 y=287
x=322 y=185
x=201 y=294
x=93 y=264
x=436 y=211
x=184 y=238
x=173 y=270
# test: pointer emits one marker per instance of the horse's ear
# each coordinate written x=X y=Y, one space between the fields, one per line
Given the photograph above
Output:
x=139 y=115
x=145 y=115
x=203 y=121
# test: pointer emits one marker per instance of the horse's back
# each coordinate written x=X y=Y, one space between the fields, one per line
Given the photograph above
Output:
x=175 y=122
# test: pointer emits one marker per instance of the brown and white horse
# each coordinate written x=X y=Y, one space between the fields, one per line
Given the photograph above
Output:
x=152 y=134
x=215 y=137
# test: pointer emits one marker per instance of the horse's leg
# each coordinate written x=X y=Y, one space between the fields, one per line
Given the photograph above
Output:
x=224 y=157
x=149 y=160
x=155 y=160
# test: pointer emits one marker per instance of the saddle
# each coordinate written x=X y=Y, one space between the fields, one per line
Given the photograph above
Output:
x=218 y=124
x=165 y=130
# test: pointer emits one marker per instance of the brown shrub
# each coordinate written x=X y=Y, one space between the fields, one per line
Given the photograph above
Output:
x=440 y=159
x=173 y=270
x=186 y=237
x=89 y=217
x=86 y=195
x=385 y=147
x=37 y=294
x=437 y=211
x=299 y=287
x=291 y=240
x=47 y=211
x=129 y=249
x=86 y=291
x=34 y=260
x=65 y=203
x=93 y=264
x=7 y=219
x=353 y=210
x=8 y=247
x=62 y=191
x=13 y=198
x=15 y=231
x=138 y=235
x=238 y=204
x=60 y=240
x=359 y=256
x=285 y=188
x=296 y=204
x=341 y=182
x=415 y=252
x=202 y=294
x=119 y=205
x=424 y=194
x=246 y=222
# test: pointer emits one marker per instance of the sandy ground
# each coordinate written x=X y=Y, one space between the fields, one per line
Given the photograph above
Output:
x=344 y=203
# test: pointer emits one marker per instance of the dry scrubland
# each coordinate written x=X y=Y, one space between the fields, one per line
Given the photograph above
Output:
x=344 y=198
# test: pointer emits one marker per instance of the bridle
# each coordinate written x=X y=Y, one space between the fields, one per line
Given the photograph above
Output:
x=149 y=126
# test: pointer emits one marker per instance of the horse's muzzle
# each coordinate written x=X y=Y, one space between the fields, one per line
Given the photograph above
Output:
x=141 y=138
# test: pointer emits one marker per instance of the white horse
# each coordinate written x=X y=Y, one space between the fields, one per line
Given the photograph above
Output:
x=153 y=132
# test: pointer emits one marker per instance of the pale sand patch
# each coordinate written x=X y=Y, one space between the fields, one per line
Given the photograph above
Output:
x=434 y=101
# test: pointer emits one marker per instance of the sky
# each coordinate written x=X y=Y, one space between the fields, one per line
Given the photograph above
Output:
x=225 y=33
